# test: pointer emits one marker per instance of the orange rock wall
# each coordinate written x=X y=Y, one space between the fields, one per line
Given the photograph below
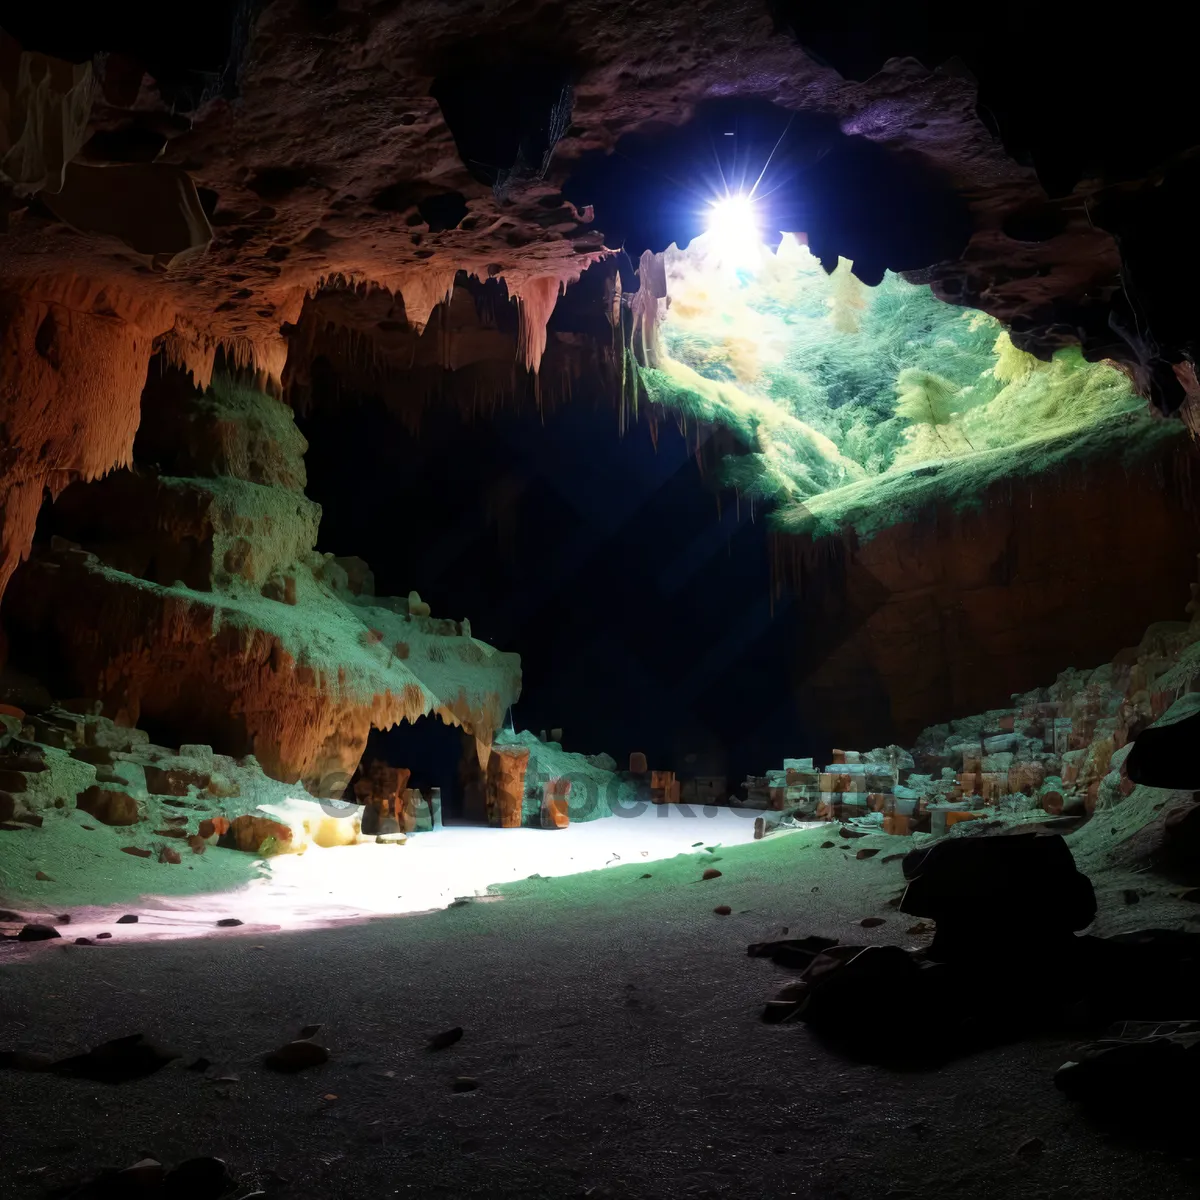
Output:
x=73 y=359
x=954 y=613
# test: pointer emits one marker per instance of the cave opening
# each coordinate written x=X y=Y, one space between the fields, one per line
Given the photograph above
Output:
x=437 y=756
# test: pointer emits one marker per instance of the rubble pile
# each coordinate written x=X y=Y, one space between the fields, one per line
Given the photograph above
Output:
x=1054 y=752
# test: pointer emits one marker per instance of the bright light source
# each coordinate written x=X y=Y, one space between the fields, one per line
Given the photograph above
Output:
x=733 y=226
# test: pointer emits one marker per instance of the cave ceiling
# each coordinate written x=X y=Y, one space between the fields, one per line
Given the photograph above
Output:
x=395 y=144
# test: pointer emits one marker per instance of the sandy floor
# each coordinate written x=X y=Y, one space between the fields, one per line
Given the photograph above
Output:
x=612 y=1023
x=430 y=871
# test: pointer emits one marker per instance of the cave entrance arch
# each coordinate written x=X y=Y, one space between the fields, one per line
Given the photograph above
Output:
x=437 y=755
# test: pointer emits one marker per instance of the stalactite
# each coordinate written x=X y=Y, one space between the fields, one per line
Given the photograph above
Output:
x=423 y=290
x=645 y=306
x=536 y=299
x=73 y=361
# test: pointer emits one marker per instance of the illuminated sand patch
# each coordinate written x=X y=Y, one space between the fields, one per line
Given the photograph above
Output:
x=428 y=872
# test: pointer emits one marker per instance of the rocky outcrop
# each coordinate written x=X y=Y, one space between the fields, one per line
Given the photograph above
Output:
x=196 y=602
x=73 y=360
x=957 y=611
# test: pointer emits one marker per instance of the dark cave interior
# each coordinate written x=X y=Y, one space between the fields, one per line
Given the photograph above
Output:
x=512 y=515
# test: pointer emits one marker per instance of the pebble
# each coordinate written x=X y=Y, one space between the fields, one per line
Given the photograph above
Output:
x=1032 y=1146
x=464 y=1083
x=296 y=1056
x=37 y=933
x=103 y=935
x=439 y=1041
x=200 y=1179
x=722 y=910
x=228 y=922
x=128 y=919
x=119 y=1061
x=871 y=922
x=82 y=941
x=43 y=877
x=710 y=873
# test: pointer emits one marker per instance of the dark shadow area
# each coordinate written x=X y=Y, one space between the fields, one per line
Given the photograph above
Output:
x=433 y=752
x=638 y=596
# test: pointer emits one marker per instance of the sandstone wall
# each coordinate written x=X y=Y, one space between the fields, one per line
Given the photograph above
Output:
x=958 y=611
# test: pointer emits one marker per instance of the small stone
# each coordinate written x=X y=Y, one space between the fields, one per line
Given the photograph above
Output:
x=439 y=1041
x=81 y=941
x=828 y=845
x=37 y=933
x=647 y=876
x=711 y=873
x=143 y=1176
x=108 y=806
x=1131 y=896
x=128 y=919
x=871 y=922
x=228 y=922
x=103 y=935
x=329 y=1096
x=43 y=877
x=26 y=1060
x=169 y=855
x=866 y=854
x=722 y=910
x=296 y=1056
x=1032 y=1146
x=136 y=851
x=464 y=1083
x=199 y=1179
x=119 y=1061
x=197 y=844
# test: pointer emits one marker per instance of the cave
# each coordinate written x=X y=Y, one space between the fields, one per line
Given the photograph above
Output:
x=597 y=603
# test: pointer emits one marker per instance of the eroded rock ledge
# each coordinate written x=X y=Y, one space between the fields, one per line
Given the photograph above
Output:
x=196 y=600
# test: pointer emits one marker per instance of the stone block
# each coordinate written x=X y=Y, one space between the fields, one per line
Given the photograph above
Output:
x=108 y=806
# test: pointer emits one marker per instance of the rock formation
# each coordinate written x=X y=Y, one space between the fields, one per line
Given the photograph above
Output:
x=956 y=611
x=186 y=592
x=116 y=173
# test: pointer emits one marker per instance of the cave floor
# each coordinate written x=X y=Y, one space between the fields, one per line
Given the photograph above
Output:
x=612 y=1023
